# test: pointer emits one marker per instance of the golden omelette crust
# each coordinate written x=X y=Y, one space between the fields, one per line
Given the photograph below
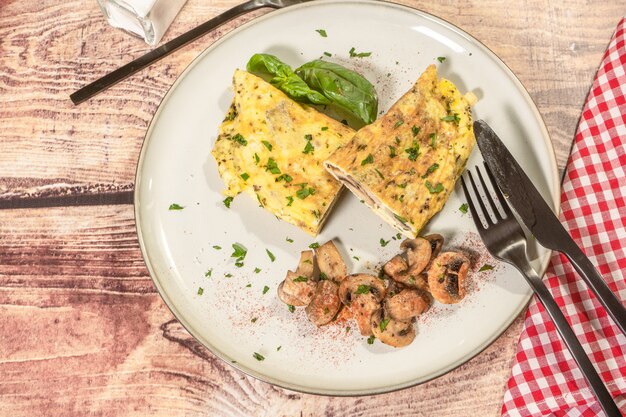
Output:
x=424 y=140
x=299 y=190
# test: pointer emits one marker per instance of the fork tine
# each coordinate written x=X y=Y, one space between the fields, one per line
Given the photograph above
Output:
x=472 y=206
x=480 y=200
x=503 y=202
x=492 y=203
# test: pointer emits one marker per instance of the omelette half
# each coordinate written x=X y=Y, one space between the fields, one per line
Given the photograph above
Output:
x=405 y=164
x=273 y=148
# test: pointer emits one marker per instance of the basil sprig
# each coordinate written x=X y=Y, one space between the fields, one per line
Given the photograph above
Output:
x=282 y=77
x=320 y=82
x=343 y=87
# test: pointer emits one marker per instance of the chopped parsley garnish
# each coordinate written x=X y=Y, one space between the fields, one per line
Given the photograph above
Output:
x=314 y=245
x=208 y=273
x=265 y=289
x=485 y=267
x=356 y=258
x=256 y=158
x=403 y=185
x=249 y=286
x=452 y=118
x=240 y=253
x=289 y=200
x=323 y=276
x=288 y=239
x=285 y=177
x=384 y=242
x=291 y=308
x=200 y=290
x=370 y=340
x=463 y=208
x=383 y=325
x=272 y=167
x=368 y=160
x=354 y=54
x=308 y=136
x=227 y=201
x=240 y=139
x=328 y=54
x=362 y=289
x=267 y=145
x=382 y=177
x=413 y=151
x=254 y=319
x=258 y=356
x=216 y=247
x=257 y=270
x=441 y=58
x=347 y=329
x=415 y=130
x=398 y=124
x=433 y=139
x=399 y=236
x=322 y=33
x=324 y=128
x=271 y=255
x=392 y=151
x=229 y=275
x=411 y=280
x=175 y=206
x=278 y=348
x=431 y=169
x=308 y=148
x=434 y=189
x=245 y=176
x=304 y=191
x=300 y=279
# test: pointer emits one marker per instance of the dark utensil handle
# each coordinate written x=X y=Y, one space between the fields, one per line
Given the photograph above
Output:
x=596 y=283
x=143 y=61
x=569 y=337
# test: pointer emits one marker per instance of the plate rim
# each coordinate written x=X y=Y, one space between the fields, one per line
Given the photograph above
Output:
x=555 y=196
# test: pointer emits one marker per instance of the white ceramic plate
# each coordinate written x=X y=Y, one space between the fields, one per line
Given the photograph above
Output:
x=176 y=167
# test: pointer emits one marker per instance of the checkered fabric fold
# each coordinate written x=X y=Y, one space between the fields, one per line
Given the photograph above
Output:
x=545 y=380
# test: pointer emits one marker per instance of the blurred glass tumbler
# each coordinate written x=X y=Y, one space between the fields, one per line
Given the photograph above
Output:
x=148 y=19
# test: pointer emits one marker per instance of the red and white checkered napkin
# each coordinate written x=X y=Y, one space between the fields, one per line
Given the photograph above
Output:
x=545 y=380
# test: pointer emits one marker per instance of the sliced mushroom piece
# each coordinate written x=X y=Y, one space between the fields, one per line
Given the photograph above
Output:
x=392 y=332
x=363 y=294
x=436 y=243
x=446 y=277
x=399 y=271
x=330 y=262
x=296 y=290
x=406 y=304
x=360 y=284
x=418 y=252
x=305 y=264
x=362 y=307
x=325 y=303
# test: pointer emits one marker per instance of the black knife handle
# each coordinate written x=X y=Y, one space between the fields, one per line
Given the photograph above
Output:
x=596 y=283
x=145 y=60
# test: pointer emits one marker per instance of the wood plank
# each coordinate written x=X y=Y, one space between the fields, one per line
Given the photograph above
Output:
x=84 y=330
x=50 y=49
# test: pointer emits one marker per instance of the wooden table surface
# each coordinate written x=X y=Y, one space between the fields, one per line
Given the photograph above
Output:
x=82 y=329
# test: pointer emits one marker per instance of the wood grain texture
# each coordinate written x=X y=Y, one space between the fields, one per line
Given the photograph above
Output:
x=83 y=331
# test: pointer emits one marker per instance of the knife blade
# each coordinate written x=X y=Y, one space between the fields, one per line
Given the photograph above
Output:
x=535 y=213
x=164 y=50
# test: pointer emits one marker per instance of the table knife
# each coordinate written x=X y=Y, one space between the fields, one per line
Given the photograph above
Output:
x=540 y=220
x=151 y=57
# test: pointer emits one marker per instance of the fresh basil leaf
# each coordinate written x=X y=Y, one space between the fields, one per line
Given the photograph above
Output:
x=281 y=76
x=343 y=87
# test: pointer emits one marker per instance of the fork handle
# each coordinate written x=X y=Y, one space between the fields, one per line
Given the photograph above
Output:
x=569 y=337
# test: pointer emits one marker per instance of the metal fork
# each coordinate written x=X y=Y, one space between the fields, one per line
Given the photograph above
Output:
x=505 y=240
